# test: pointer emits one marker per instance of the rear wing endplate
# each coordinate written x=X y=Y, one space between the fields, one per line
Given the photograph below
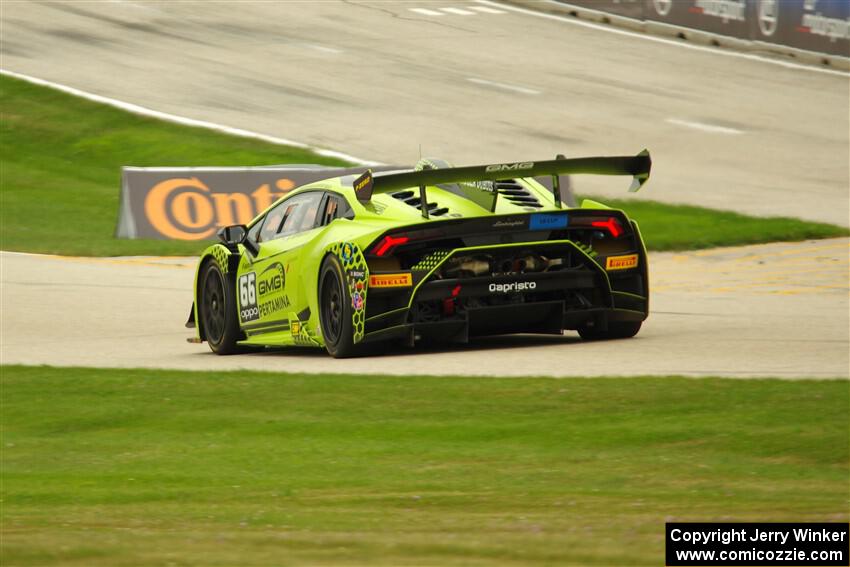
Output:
x=637 y=166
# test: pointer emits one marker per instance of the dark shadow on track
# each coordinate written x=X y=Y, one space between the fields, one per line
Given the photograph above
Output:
x=396 y=349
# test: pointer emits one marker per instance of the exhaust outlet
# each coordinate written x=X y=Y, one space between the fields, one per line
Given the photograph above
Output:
x=475 y=266
x=531 y=263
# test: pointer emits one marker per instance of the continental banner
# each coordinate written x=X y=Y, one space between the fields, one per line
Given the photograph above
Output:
x=189 y=203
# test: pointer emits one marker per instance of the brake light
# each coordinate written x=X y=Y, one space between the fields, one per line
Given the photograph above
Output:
x=388 y=243
x=612 y=224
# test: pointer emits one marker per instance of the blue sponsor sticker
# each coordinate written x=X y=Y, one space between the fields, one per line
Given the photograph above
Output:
x=543 y=221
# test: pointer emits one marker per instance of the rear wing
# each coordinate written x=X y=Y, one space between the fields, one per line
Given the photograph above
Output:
x=637 y=166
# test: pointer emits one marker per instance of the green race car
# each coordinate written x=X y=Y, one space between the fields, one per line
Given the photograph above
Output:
x=435 y=252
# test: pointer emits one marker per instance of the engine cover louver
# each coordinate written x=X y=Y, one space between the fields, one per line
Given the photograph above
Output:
x=509 y=189
x=517 y=194
x=412 y=198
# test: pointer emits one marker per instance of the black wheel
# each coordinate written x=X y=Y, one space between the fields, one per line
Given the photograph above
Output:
x=217 y=310
x=616 y=330
x=335 y=310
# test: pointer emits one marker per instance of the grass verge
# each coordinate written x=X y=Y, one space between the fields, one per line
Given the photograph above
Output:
x=60 y=174
x=137 y=467
x=62 y=157
x=685 y=227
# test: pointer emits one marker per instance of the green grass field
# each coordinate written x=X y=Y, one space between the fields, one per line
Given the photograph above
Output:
x=138 y=467
x=62 y=157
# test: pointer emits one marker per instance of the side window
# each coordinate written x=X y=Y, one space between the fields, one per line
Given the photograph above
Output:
x=301 y=213
x=335 y=207
x=294 y=215
x=254 y=231
x=267 y=228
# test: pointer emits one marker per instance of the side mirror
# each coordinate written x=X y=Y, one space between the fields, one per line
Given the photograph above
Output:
x=233 y=234
x=238 y=234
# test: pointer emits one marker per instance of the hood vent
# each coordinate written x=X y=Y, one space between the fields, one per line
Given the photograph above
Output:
x=517 y=194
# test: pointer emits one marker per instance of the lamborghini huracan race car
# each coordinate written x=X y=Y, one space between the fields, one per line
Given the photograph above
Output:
x=435 y=252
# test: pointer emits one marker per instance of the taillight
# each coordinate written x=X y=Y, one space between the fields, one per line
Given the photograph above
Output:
x=388 y=243
x=611 y=223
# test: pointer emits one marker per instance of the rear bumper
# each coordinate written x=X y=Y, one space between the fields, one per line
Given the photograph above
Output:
x=540 y=318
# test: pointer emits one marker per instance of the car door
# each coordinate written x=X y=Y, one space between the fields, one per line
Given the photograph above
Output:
x=270 y=286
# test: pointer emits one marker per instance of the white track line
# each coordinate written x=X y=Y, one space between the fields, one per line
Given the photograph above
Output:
x=5 y=252
x=514 y=88
x=648 y=37
x=324 y=48
x=487 y=10
x=704 y=127
x=458 y=11
x=134 y=5
x=143 y=111
x=426 y=12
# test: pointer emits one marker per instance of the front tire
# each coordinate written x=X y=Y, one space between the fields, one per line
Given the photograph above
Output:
x=217 y=310
x=616 y=330
x=335 y=311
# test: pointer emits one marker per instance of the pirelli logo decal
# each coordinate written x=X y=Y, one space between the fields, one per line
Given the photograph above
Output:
x=391 y=280
x=621 y=262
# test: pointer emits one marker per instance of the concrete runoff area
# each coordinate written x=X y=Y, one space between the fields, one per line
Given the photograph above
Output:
x=383 y=81
x=776 y=310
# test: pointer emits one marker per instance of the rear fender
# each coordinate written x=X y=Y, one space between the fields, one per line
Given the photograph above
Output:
x=229 y=263
x=357 y=279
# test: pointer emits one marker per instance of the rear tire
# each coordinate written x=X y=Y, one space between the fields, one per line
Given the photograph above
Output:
x=616 y=330
x=217 y=310
x=335 y=311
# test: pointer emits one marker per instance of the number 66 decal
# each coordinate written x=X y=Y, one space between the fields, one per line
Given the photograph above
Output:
x=248 y=290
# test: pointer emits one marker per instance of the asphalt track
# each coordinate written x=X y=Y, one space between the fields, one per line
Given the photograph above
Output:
x=381 y=80
x=376 y=80
x=774 y=310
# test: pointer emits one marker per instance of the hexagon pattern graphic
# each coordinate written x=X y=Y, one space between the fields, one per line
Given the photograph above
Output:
x=352 y=260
